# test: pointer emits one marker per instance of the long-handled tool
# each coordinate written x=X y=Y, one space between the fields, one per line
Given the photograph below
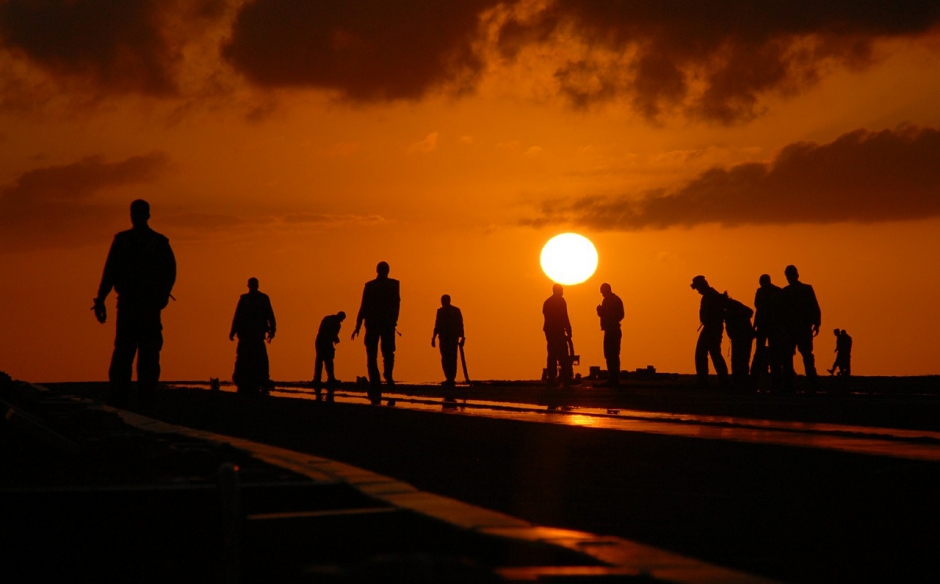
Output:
x=574 y=359
x=463 y=363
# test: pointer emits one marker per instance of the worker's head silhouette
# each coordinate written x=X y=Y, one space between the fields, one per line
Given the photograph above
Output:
x=140 y=213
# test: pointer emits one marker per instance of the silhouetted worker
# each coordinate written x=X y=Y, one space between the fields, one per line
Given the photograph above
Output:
x=381 y=303
x=253 y=323
x=741 y=332
x=448 y=328
x=711 y=314
x=768 y=329
x=843 y=354
x=611 y=313
x=327 y=337
x=801 y=321
x=557 y=329
x=142 y=270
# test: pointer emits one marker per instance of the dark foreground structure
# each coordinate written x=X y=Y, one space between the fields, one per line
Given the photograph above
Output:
x=835 y=497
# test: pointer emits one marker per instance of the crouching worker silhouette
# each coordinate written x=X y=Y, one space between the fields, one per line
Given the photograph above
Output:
x=327 y=337
x=141 y=268
x=253 y=324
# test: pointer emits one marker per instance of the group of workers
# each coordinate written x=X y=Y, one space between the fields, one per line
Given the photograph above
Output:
x=141 y=268
x=786 y=321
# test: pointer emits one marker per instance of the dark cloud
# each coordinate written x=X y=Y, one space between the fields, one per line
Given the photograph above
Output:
x=56 y=205
x=365 y=49
x=714 y=60
x=119 y=45
x=863 y=177
x=736 y=50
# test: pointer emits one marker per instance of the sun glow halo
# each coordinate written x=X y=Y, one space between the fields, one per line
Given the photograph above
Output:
x=569 y=259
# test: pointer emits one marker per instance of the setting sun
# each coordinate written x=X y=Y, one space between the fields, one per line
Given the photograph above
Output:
x=569 y=258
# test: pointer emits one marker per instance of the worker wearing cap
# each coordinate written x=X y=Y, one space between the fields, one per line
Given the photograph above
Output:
x=711 y=314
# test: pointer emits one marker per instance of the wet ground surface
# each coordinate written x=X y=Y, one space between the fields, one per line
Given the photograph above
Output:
x=901 y=443
x=91 y=493
x=822 y=501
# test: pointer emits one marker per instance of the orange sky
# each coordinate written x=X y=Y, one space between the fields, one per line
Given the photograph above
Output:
x=305 y=149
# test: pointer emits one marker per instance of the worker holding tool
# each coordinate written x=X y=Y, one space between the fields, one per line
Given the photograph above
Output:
x=557 y=329
x=448 y=329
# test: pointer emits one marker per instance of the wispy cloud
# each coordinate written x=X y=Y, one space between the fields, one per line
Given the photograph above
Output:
x=429 y=144
x=863 y=176
x=56 y=205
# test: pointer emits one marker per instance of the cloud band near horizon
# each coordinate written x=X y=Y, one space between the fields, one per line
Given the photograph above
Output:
x=861 y=177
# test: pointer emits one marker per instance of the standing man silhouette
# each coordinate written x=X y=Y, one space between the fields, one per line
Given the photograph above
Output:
x=327 y=337
x=768 y=330
x=448 y=328
x=611 y=313
x=141 y=268
x=802 y=319
x=381 y=303
x=557 y=329
x=253 y=323
x=711 y=314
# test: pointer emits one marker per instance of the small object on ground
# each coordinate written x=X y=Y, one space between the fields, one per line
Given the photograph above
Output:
x=613 y=412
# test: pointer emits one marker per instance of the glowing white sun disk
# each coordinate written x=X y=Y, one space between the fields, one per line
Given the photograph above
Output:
x=569 y=258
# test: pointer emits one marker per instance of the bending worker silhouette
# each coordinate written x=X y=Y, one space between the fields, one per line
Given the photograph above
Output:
x=253 y=323
x=327 y=337
x=142 y=270
x=381 y=303
x=741 y=334
x=711 y=314
x=557 y=329
x=611 y=313
x=802 y=319
x=448 y=328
